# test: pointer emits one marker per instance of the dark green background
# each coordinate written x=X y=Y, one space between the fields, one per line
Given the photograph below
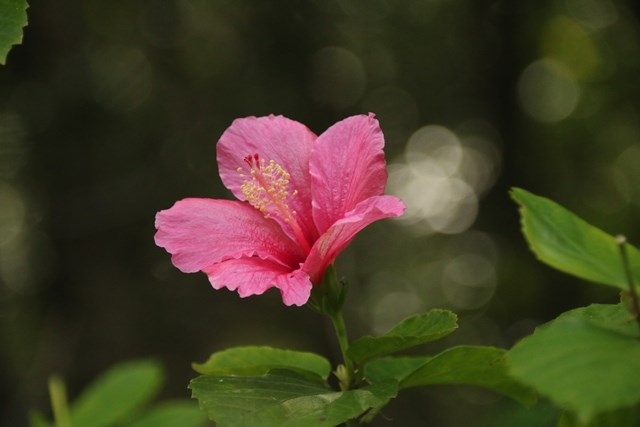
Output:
x=110 y=111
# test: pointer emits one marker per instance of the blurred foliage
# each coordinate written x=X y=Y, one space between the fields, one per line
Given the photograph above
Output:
x=110 y=110
x=122 y=396
x=13 y=17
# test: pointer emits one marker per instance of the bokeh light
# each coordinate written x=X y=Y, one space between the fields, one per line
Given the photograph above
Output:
x=593 y=14
x=441 y=179
x=548 y=91
x=469 y=281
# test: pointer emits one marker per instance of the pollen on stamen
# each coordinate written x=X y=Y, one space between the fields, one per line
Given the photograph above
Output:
x=265 y=186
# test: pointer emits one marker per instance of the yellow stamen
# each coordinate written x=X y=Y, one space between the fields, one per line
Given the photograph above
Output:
x=266 y=189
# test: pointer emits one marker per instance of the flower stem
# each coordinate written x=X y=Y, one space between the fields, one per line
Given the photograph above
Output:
x=347 y=375
x=328 y=298
x=346 y=378
x=635 y=301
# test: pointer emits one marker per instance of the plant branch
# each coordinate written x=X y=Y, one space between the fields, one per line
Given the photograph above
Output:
x=346 y=379
x=635 y=302
x=328 y=298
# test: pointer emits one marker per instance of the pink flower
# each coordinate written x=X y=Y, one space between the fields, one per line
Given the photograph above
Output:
x=303 y=198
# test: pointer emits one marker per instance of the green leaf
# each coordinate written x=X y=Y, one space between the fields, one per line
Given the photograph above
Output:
x=260 y=360
x=484 y=367
x=393 y=368
x=283 y=399
x=413 y=331
x=568 y=243
x=614 y=317
x=13 y=17
x=117 y=394
x=471 y=365
x=172 y=414
x=587 y=361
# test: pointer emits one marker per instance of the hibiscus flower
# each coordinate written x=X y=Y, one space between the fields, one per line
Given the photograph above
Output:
x=302 y=199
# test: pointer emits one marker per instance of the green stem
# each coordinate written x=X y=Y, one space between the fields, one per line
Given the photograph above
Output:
x=59 y=403
x=328 y=298
x=346 y=378
x=341 y=333
x=635 y=301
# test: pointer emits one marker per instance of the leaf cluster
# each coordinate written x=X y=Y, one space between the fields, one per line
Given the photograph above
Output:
x=250 y=386
x=586 y=361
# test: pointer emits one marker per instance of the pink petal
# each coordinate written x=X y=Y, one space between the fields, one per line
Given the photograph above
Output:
x=253 y=276
x=276 y=138
x=342 y=232
x=200 y=232
x=347 y=166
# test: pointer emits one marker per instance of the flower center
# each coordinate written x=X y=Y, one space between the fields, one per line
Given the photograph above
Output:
x=266 y=189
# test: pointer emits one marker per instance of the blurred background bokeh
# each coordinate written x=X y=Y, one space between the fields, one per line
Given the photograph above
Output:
x=110 y=111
